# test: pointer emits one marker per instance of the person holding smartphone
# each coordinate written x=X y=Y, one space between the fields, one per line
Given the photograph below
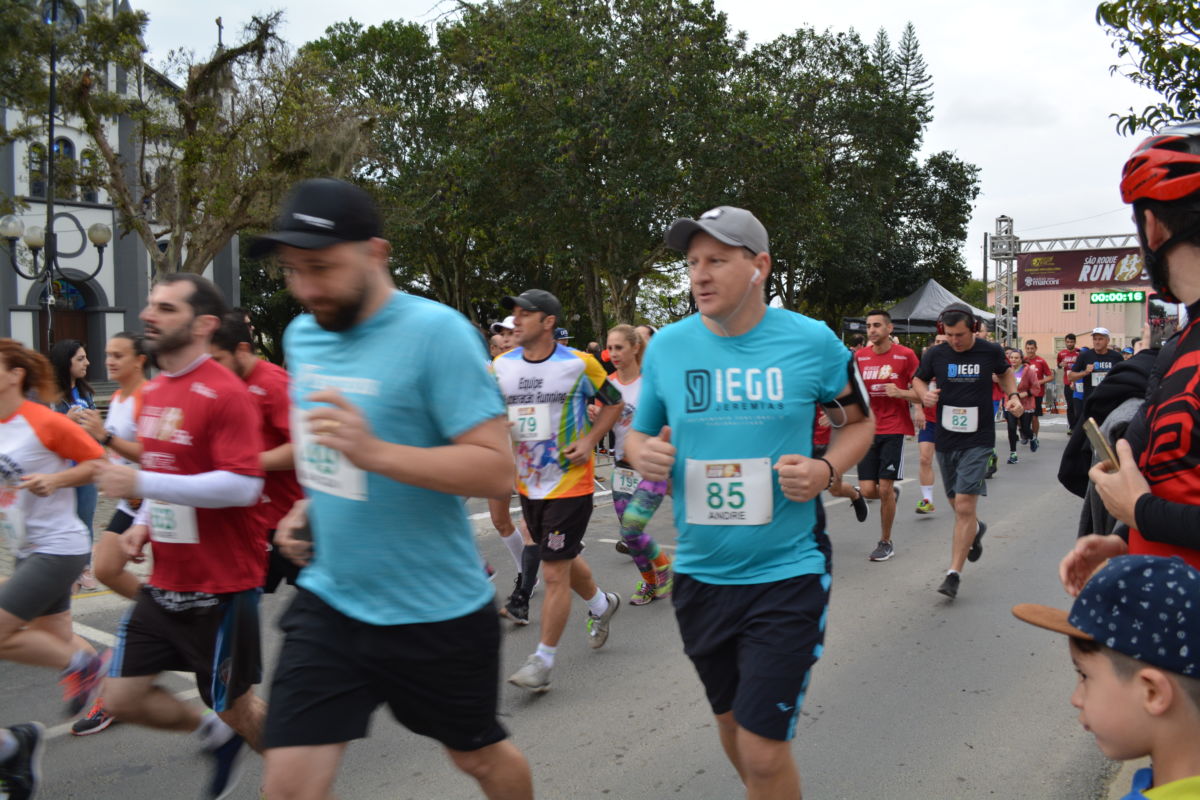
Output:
x=1155 y=487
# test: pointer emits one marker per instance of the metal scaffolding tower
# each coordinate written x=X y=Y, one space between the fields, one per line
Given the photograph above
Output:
x=1003 y=247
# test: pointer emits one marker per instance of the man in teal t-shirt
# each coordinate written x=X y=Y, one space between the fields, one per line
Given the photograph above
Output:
x=393 y=606
x=726 y=414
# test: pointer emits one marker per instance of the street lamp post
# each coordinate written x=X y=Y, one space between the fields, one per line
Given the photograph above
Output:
x=37 y=238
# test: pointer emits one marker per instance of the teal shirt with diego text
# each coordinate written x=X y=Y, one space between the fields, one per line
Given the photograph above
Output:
x=733 y=404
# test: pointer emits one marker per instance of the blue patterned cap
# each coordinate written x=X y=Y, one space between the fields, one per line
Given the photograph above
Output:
x=1146 y=607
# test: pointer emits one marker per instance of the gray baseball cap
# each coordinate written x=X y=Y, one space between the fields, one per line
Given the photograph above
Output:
x=728 y=224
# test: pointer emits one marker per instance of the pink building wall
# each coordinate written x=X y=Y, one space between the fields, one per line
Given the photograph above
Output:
x=1041 y=317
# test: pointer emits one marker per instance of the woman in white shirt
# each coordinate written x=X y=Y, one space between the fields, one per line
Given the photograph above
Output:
x=50 y=543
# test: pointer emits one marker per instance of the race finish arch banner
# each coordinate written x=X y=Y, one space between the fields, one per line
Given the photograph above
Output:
x=1081 y=269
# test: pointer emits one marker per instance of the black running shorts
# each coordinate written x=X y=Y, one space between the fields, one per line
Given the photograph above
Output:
x=557 y=525
x=440 y=679
x=884 y=460
x=754 y=646
x=219 y=643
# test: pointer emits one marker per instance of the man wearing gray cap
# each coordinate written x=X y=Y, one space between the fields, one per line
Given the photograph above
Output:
x=726 y=413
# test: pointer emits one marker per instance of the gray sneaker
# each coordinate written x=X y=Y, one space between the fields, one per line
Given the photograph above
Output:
x=597 y=627
x=534 y=676
x=882 y=552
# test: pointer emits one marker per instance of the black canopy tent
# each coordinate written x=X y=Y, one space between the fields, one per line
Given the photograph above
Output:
x=918 y=312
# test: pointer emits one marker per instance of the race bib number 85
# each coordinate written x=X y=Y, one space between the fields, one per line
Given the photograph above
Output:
x=729 y=492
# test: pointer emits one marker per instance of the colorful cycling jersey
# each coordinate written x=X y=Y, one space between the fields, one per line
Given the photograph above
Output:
x=896 y=366
x=547 y=406
x=121 y=422
x=735 y=405
x=1170 y=461
x=36 y=440
x=629 y=395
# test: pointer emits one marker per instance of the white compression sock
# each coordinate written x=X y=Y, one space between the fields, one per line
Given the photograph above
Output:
x=927 y=493
x=515 y=546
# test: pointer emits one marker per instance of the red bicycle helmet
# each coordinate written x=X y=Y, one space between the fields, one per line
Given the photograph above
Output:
x=1164 y=167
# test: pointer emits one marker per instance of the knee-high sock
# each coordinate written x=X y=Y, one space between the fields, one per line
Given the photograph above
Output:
x=645 y=501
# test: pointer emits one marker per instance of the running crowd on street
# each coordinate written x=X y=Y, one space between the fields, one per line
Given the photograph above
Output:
x=239 y=476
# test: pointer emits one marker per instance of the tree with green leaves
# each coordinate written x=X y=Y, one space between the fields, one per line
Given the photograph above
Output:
x=196 y=152
x=1157 y=42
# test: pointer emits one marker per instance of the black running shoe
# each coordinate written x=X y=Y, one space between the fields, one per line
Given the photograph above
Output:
x=861 y=509
x=622 y=548
x=977 y=546
x=227 y=765
x=991 y=467
x=96 y=720
x=20 y=774
x=949 y=586
x=517 y=608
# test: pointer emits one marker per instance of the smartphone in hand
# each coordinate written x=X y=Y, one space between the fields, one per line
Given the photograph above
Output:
x=1100 y=445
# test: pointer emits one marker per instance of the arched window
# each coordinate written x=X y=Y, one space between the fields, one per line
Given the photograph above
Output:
x=89 y=176
x=37 y=170
x=66 y=178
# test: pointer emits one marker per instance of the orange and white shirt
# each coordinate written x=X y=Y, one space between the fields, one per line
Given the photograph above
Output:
x=36 y=440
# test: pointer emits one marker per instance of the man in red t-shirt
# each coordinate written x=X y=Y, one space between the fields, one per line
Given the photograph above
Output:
x=201 y=480
x=233 y=348
x=887 y=370
x=1044 y=376
x=1066 y=360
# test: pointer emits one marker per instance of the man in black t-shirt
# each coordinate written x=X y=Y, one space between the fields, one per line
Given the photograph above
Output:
x=1093 y=365
x=962 y=370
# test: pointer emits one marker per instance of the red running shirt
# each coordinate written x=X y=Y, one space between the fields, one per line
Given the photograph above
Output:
x=200 y=421
x=1066 y=360
x=897 y=367
x=1042 y=372
x=268 y=384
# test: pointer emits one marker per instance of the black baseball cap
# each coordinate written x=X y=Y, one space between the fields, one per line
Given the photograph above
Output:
x=319 y=213
x=535 y=300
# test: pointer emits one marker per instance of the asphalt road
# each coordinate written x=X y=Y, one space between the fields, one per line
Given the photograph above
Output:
x=916 y=696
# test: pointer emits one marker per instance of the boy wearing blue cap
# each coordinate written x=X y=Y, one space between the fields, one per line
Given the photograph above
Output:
x=1135 y=643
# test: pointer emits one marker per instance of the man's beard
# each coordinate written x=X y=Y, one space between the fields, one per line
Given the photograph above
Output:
x=169 y=342
x=343 y=317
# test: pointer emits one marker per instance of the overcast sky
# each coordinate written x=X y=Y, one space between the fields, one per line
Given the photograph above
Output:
x=1021 y=89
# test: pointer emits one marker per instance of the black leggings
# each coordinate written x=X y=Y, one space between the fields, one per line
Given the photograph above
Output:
x=1026 y=423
